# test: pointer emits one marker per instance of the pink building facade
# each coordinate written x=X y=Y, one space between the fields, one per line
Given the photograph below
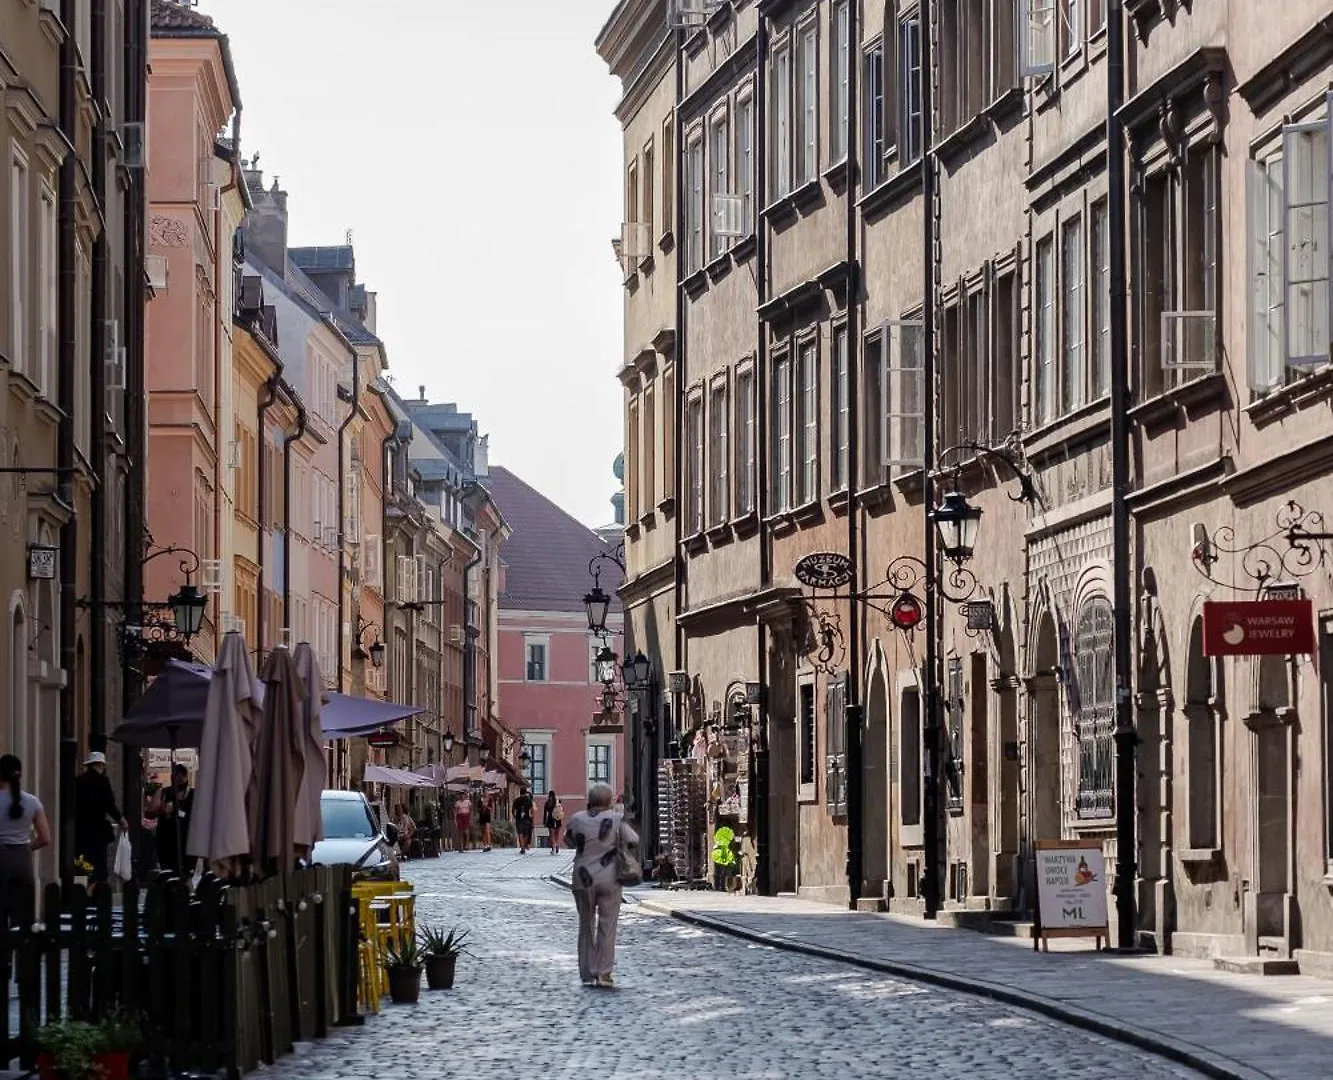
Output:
x=549 y=689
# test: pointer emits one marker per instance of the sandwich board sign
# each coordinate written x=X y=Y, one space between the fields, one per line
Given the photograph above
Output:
x=1071 y=891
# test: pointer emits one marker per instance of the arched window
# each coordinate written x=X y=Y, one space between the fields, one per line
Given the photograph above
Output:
x=1203 y=778
x=18 y=680
x=1094 y=699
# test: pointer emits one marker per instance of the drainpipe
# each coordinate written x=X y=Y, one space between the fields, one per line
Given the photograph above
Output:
x=469 y=647
x=342 y=487
x=97 y=392
x=270 y=396
x=854 y=761
x=287 y=441
x=223 y=260
x=668 y=737
x=763 y=833
x=67 y=361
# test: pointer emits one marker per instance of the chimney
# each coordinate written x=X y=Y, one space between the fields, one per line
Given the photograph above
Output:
x=265 y=227
x=421 y=390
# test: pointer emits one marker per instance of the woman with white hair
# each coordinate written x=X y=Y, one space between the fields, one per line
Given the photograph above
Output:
x=597 y=835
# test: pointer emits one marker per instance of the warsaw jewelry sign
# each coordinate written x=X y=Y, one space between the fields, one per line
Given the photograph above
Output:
x=1258 y=627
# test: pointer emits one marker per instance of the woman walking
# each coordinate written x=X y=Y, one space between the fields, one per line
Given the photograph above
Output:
x=597 y=834
x=23 y=830
x=553 y=818
x=484 y=819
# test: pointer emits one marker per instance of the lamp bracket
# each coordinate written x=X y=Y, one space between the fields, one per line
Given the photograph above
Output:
x=1294 y=549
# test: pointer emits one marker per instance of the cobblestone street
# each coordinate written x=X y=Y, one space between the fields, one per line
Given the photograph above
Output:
x=689 y=1004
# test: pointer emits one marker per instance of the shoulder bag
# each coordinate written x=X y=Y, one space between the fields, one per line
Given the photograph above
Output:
x=629 y=871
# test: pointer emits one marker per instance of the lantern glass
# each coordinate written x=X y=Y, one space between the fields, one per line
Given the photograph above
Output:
x=448 y=742
x=957 y=521
x=377 y=653
x=637 y=670
x=187 y=610
x=598 y=604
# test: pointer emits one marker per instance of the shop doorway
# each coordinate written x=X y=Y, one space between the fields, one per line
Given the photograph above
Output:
x=875 y=792
x=1270 y=753
x=1044 y=751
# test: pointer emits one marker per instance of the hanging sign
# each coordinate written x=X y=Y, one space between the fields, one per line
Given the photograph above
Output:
x=42 y=562
x=823 y=570
x=382 y=738
x=1258 y=627
x=1071 y=890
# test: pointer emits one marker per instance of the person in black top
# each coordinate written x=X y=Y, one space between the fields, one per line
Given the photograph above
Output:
x=95 y=810
x=523 y=820
x=174 y=804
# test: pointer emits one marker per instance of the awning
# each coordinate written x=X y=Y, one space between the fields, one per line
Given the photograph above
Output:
x=514 y=774
x=382 y=774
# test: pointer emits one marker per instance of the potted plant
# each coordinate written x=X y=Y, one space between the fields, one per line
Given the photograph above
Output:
x=441 y=950
x=404 y=960
x=68 y=1049
x=121 y=1035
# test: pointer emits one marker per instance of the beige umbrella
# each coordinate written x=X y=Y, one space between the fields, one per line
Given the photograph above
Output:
x=218 y=828
x=279 y=763
x=309 y=828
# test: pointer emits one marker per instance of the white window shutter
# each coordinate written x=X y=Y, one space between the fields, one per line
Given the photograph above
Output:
x=1037 y=38
x=370 y=560
x=904 y=392
x=1305 y=186
x=729 y=215
x=1264 y=256
x=405 y=568
x=420 y=576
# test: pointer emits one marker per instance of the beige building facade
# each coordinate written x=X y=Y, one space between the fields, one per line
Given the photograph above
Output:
x=800 y=408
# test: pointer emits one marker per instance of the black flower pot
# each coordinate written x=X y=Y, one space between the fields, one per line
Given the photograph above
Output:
x=404 y=985
x=440 y=971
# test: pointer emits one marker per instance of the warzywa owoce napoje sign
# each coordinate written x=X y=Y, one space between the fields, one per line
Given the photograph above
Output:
x=1258 y=627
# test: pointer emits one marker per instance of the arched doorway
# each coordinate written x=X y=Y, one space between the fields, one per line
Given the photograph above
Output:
x=17 y=740
x=1044 y=781
x=875 y=792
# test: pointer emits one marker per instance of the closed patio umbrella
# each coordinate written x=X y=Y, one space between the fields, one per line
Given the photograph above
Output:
x=279 y=764
x=218 y=828
x=309 y=828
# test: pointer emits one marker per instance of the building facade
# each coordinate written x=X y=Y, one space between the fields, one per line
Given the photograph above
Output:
x=801 y=399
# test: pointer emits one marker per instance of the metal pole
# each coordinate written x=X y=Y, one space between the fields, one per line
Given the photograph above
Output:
x=1126 y=739
x=931 y=730
x=852 y=714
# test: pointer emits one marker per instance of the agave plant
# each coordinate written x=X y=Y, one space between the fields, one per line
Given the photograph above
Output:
x=404 y=954
x=437 y=942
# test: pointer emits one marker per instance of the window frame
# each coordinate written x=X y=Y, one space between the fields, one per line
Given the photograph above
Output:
x=744 y=135
x=781 y=469
x=1093 y=721
x=747 y=433
x=695 y=441
x=719 y=178
x=805 y=404
x=542 y=642
x=719 y=450
x=840 y=59
x=696 y=208
x=840 y=449
x=806 y=94
x=782 y=137
x=807 y=739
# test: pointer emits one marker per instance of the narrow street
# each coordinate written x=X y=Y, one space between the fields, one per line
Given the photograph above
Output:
x=689 y=1004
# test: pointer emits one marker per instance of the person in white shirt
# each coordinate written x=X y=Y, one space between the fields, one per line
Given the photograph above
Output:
x=596 y=835
x=23 y=830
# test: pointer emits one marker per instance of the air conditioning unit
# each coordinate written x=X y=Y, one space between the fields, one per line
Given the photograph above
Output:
x=455 y=635
x=155 y=270
x=134 y=145
x=729 y=215
x=687 y=14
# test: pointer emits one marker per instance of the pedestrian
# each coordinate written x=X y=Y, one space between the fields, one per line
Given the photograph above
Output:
x=553 y=817
x=597 y=835
x=406 y=831
x=95 y=814
x=484 y=820
x=463 y=821
x=23 y=830
x=523 y=820
x=175 y=802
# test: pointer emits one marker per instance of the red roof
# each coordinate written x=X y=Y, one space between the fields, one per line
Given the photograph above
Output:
x=546 y=555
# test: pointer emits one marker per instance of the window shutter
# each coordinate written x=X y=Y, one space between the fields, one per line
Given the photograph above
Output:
x=835 y=770
x=1037 y=38
x=729 y=215
x=904 y=390
x=1264 y=254
x=420 y=579
x=1305 y=186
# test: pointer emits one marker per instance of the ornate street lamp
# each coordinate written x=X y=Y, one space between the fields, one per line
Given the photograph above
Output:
x=637 y=670
x=377 y=653
x=957 y=521
x=448 y=742
x=606 y=665
x=188 y=605
x=597 y=604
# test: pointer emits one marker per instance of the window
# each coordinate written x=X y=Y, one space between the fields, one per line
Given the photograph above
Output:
x=1203 y=685
x=1005 y=350
x=909 y=759
x=669 y=425
x=1071 y=312
x=964 y=57
x=1267 y=346
x=48 y=266
x=745 y=438
x=874 y=445
x=909 y=88
x=1096 y=16
x=20 y=255
x=534 y=652
x=1043 y=374
x=840 y=409
x=1070 y=35
x=806 y=746
x=904 y=395
x=835 y=764
x=538 y=768
x=781 y=96
x=719 y=478
x=808 y=88
x=694 y=445
x=745 y=158
x=632 y=197
x=668 y=174
x=876 y=150
x=1094 y=721
x=646 y=199
x=782 y=420
x=694 y=205
x=719 y=144
x=632 y=461
x=649 y=467
x=1100 y=374
x=807 y=423
x=841 y=57
x=1037 y=34
x=599 y=763
x=1306 y=225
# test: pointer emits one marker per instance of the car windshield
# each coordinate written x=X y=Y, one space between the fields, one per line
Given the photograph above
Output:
x=347 y=819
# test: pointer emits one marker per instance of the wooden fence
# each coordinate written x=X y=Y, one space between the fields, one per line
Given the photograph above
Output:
x=224 y=978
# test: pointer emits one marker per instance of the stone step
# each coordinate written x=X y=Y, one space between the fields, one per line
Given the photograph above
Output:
x=1256 y=965
x=871 y=903
x=998 y=923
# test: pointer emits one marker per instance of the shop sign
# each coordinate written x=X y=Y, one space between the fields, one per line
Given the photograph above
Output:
x=42 y=562
x=823 y=570
x=1258 y=627
x=382 y=738
x=1071 y=889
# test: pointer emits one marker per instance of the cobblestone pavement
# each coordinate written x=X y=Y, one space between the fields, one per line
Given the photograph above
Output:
x=689 y=1004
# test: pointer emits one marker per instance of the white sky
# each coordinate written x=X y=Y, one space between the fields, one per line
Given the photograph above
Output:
x=470 y=147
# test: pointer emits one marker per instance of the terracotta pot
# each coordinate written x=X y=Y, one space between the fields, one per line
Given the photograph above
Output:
x=440 y=971
x=114 y=1064
x=46 y=1067
x=404 y=985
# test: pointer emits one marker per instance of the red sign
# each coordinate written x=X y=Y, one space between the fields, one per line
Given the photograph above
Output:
x=1258 y=627
x=382 y=738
